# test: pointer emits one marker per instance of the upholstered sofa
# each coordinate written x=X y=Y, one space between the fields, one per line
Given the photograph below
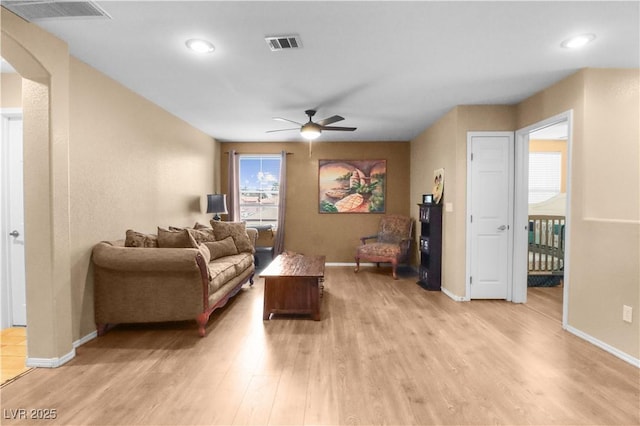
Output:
x=175 y=275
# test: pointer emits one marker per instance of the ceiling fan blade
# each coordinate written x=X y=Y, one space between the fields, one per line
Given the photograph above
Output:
x=330 y=120
x=346 y=129
x=286 y=119
x=282 y=130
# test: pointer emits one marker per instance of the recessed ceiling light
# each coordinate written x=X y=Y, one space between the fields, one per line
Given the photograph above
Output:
x=578 y=41
x=199 y=45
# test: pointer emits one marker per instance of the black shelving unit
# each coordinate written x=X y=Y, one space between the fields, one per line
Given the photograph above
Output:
x=429 y=271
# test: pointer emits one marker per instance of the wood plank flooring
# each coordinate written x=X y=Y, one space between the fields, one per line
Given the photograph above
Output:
x=385 y=352
x=13 y=353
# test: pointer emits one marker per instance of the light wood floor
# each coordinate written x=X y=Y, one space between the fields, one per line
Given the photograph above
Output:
x=385 y=352
x=13 y=353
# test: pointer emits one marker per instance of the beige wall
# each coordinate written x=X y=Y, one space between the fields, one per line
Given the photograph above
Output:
x=42 y=61
x=334 y=235
x=605 y=207
x=132 y=166
x=98 y=160
x=444 y=145
x=10 y=90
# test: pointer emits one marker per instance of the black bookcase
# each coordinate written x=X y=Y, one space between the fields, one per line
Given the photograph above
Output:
x=430 y=268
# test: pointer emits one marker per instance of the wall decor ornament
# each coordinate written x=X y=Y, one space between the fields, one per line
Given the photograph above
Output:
x=438 y=185
x=352 y=186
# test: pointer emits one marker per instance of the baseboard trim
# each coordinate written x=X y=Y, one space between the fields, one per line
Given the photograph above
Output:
x=453 y=296
x=605 y=346
x=347 y=264
x=51 y=362
x=81 y=341
x=57 y=362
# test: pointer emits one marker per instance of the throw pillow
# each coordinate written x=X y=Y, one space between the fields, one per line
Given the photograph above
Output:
x=175 y=239
x=199 y=225
x=221 y=248
x=138 y=239
x=203 y=235
x=206 y=253
x=236 y=230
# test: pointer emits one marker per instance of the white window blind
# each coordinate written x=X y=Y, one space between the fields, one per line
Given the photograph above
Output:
x=545 y=174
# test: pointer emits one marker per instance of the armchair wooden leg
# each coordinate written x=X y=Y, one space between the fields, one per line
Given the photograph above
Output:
x=394 y=266
x=357 y=264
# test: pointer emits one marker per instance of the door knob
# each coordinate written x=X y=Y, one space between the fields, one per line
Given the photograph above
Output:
x=502 y=227
x=14 y=234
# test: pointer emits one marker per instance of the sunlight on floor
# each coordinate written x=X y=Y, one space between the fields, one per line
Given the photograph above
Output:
x=13 y=352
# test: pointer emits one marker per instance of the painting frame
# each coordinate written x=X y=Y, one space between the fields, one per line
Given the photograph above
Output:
x=438 y=185
x=352 y=186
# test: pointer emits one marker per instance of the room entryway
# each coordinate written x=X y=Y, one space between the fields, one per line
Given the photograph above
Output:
x=13 y=351
x=542 y=194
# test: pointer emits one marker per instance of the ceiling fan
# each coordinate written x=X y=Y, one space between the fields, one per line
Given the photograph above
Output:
x=312 y=130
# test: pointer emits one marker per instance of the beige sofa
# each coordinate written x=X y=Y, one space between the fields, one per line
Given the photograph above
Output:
x=138 y=280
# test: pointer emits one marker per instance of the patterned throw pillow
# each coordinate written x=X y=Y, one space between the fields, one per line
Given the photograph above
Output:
x=225 y=247
x=203 y=235
x=206 y=253
x=236 y=230
x=199 y=225
x=175 y=239
x=138 y=239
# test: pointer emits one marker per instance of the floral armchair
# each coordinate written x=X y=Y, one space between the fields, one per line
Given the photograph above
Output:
x=393 y=242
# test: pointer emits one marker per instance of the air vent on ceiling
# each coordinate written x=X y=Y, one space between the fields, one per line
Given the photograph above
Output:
x=284 y=42
x=33 y=10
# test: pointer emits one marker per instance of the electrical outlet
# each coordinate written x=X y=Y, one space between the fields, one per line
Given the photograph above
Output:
x=627 y=313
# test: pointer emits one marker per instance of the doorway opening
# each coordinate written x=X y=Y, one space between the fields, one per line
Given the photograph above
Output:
x=13 y=284
x=541 y=211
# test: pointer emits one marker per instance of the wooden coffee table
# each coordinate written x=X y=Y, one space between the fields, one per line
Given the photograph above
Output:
x=292 y=285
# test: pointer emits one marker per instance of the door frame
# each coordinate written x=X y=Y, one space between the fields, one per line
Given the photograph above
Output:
x=7 y=301
x=521 y=239
x=510 y=210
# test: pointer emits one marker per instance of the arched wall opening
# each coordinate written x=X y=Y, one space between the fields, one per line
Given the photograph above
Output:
x=43 y=63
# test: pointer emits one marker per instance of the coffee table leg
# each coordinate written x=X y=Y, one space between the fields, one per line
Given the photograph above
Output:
x=315 y=300
x=265 y=308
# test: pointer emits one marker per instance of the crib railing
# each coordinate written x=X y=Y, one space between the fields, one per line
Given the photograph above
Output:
x=546 y=245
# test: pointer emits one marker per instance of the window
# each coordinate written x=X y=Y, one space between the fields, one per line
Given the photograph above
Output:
x=544 y=175
x=259 y=184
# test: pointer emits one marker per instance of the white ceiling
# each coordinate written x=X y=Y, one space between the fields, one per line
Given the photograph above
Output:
x=390 y=68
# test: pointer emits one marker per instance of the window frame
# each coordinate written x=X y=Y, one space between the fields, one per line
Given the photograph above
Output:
x=261 y=193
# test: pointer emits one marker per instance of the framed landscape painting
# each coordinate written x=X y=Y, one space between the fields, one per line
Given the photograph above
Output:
x=352 y=186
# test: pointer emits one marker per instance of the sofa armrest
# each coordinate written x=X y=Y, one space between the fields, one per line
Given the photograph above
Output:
x=109 y=256
x=253 y=236
x=133 y=284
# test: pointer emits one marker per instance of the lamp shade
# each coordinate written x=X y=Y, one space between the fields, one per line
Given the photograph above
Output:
x=217 y=203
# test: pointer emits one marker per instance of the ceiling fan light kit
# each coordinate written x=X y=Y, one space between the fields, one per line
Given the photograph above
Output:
x=310 y=131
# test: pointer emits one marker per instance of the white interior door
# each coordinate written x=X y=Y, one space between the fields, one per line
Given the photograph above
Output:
x=13 y=261
x=490 y=207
